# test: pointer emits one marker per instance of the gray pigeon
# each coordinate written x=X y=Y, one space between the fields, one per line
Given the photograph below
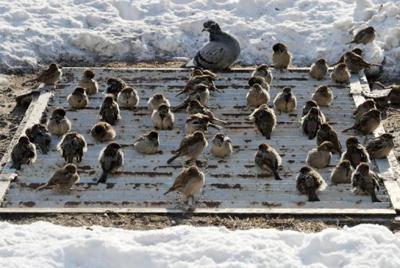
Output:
x=219 y=53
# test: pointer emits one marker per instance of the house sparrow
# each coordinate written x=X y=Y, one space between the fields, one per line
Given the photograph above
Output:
x=71 y=146
x=163 y=118
x=194 y=107
x=49 y=76
x=323 y=96
x=191 y=146
x=364 y=36
x=320 y=157
x=199 y=122
x=63 y=179
x=24 y=152
x=308 y=182
x=357 y=51
x=381 y=146
x=103 y=132
x=307 y=107
x=221 y=146
x=39 y=135
x=59 y=124
x=259 y=80
x=363 y=108
x=156 y=100
x=340 y=73
x=264 y=119
x=319 y=69
x=342 y=172
x=200 y=92
x=206 y=80
x=364 y=181
x=281 y=58
x=256 y=96
x=369 y=121
x=78 y=98
x=115 y=85
x=327 y=133
x=111 y=158
x=356 y=153
x=263 y=71
x=285 y=101
x=88 y=83
x=268 y=160
x=148 y=143
x=128 y=98
x=109 y=110
x=312 y=122
x=394 y=95
x=200 y=72
x=356 y=63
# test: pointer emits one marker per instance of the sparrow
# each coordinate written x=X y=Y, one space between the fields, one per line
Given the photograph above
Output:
x=355 y=153
x=285 y=101
x=327 y=133
x=163 y=118
x=394 y=95
x=319 y=69
x=23 y=153
x=200 y=72
x=109 y=110
x=308 y=182
x=206 y=80
x=259 y=80
x=340 y=73
x=192 y=146
x=40 y=136
x=88 y=83
x=49 y=76
x=312 y=122
x=59 y=124
x=156 y=100
x=268 y=160
x=72 y=146
x=63 y=179
x=200 y=92
x=221 y=146
x=199 y=122
x=78 y=98
x=128 y=98
x=256 y=96
x=364 y=36
x=148 y=143
x=264 y=119
x=103 y=132
x=381 y=146
x=356 y=63
x=323 y=96
x=115 y=85
x=342 y=172
x=320 y=157
x=263 y=71
x=111 y=158
x=194 y=107
x=369 y=121
x=364 y=107
x=281 y=58
x=307 y=107
x=357 y=51
x=364 y=181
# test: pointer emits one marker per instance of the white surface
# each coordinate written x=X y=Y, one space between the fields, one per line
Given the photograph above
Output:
x=40 y=31
x=46 y=245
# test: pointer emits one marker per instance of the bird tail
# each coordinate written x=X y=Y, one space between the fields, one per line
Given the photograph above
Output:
x=374 y=198
x=169 y=190
x=312 y=196
x=347 y=129
x=215 y=126
x=173 y=158
x=103 y=177
x=42 y=187
x=276 y=175
x=352 y=42
x=17 y=166
x=183 y=105
x=220 y=121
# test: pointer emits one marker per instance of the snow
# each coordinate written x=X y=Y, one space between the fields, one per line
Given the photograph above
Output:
x=43 y=245
x=36 y=32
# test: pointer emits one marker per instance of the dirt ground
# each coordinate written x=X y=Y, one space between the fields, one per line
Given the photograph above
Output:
x=10 y=118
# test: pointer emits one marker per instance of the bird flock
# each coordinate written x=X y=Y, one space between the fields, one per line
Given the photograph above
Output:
x=219 y=53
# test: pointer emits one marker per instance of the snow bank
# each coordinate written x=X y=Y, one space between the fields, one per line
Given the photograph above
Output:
x=46 y=245
x=40 y=31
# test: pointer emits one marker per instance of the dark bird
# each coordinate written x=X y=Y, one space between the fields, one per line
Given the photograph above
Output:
x=364 y=36
x=103 y=132
x=281 y=58
x=23 y=153
x=115 y=85
x=72 y=146
x=268 y=160
x=327 y=133
x=109 y=110
x=111 y=158
x=308 y=182
x=263 y=71
x=342 y=172
x=355 y=153
x=365 y=181
x=264 y=119
x=39 y=135
x=312 y=122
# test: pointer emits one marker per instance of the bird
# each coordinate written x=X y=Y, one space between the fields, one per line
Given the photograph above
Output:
x=156 y=100
x=88 y=83
x=263 y=71
x=327 y=133
x=220 y=52
x=364 y=107
x=59 y=124
x=40 y=136
x=163 y=118
x=109 y=110
x=78 y=98
x=103 y=132
x=357 y=51
x=221 y=146
x=200 y=72
x=111 y=158
x=192 y=146
x=259 y=80
x=355 y=153
x=356 y=63
x=63 y=179
x=189 y=183
x=281 y=58
x=369 y=121
x=312 y=122
x=364 y=36
x=256 y=96
x=264 y=119
x=307 y=107
x=340 y=73
x=115 y=85
x=381 y=146
x=309 y=182
x=323 y=96
x=194 y=107
x=394 y=95
x=285 y=101
x=207 y=80
x=365 y=181
x=319 y=69
x=268 y=160
x=199 y=122
x=342 y=172
x=72 y=146
x=320 y=157
x=24 y=98
x=148 y=143
x=200 y=92
x=128 y=98
x=49 y=76
x=23 y=153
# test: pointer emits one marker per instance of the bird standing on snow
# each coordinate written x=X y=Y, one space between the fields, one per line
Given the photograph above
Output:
x=356 y=152
x=364 y=36
x=88 y=83
x=312 y=122
x=381 y=146
x=342 y=172
x=24 y=152
x=48 y=77
x=156 y=100
x=320 y=157
x=221 y=146
x=39 y=135
x=268 y=160
x=109 y=110
x=327 y=133
x=323 y=96
x=72 y=145
x=128 y=98
x=78 y=98
x=111 y=158
x=285 y=101
x=264 y=119
x=319 y=69
x=369 y=121
x=340 y=73
x=63 y=179
x=263 y=71
x=103 y=132
x=257 y=96
x=308 y=182
x=363 y=108
x=191 y=146
x=59 y=124
x=281 y=58
x=148 y=143
x=163 y=118
x=364 y=181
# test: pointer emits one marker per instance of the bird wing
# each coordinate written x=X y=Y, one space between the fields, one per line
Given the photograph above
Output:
x=180 y=181
x=210 y=55
x=57 y=178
